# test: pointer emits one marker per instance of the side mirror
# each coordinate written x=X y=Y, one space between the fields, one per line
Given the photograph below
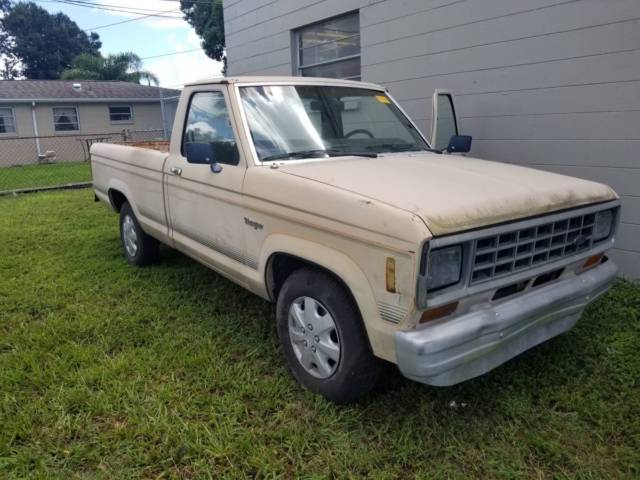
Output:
x=202 y=153
x=444 y=123
x=459 y=144
x=199 y=152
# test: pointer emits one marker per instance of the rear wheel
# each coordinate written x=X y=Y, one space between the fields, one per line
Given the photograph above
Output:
x=139 y=248
x=323 y=338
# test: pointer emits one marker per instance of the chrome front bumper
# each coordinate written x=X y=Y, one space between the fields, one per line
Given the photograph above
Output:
x=474 y=343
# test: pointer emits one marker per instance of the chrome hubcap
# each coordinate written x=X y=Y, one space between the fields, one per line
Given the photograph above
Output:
x=314 y=337
x=129 y=236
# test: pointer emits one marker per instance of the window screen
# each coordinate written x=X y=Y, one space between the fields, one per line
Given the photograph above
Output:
x=330 y=48
x=7 y=122
x=120 y=114
x=65 y=119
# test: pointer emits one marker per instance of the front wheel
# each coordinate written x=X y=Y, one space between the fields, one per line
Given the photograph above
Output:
x=323 y=338
x=139 y=248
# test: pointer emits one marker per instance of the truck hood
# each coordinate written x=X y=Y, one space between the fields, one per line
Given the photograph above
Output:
x=452 y=193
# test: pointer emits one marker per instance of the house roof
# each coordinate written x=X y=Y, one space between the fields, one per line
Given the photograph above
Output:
x=79 y=90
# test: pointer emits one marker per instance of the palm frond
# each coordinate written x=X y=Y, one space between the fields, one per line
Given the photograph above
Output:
x=124 y=66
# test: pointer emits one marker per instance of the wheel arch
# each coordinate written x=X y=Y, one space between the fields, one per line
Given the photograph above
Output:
x=280 y=265
x=119 y=193
x=117 y=199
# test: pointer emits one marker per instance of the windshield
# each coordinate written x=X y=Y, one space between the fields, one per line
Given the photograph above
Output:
x=302 y=121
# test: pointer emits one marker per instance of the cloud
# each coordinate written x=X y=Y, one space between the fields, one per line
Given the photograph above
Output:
x=176 y=70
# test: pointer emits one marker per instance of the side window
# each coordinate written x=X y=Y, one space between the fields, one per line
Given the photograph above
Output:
x=208 y=122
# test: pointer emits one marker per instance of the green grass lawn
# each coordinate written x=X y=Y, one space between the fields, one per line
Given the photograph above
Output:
x=111 y=371
x=31 y=176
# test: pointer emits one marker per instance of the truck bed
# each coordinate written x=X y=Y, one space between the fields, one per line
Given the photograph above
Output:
x=159 y=145
x=137 y=172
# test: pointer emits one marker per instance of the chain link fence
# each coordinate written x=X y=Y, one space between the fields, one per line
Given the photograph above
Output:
x=28 y=163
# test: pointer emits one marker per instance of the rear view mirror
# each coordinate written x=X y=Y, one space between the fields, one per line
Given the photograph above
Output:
x=444 y=122
x=459 y=144
x=199 y=152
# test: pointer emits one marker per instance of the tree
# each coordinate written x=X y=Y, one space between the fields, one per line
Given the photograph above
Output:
x=44 y=43
x=207 y=20
x=8 y=62
x=125 y=66
x=9 y=66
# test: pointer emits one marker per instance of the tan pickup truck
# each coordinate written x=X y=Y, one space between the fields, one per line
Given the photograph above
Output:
x=323 y=196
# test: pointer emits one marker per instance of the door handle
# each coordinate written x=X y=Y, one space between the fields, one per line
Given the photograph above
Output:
x=176 y=171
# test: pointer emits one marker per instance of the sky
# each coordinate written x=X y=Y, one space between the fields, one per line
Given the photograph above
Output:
x=146 y=37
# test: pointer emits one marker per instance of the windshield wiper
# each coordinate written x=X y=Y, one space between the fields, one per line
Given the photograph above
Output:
x=297 y=154
x=309 y=153
x=345 y=153
x=400 y=147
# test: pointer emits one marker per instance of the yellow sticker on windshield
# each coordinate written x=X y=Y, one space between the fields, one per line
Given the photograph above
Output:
x=382 y=99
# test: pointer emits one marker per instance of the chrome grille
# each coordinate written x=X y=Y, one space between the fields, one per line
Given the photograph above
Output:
x=521 y=249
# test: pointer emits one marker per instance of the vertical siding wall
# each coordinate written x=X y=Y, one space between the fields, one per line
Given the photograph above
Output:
x=545 y=83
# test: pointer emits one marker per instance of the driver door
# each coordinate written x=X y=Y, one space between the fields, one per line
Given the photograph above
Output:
x=205 y=206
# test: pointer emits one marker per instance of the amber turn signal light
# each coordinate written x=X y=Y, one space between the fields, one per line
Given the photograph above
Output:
x=438 y=312
x=391 y=274
x=592 y=261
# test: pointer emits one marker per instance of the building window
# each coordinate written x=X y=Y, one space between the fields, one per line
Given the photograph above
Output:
x=330 y=48
x=120 y=114
x=7 y=121
x=65 y=119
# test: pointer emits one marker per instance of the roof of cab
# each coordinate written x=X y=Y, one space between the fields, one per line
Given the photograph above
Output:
x=284 y=80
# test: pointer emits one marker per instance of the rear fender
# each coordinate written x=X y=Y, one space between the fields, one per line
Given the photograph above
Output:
x=120 y=186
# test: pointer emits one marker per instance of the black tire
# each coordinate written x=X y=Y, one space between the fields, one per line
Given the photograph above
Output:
x=356 y=371
x=147 y=247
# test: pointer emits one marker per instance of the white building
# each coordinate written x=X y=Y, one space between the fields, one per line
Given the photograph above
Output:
x=546 y=83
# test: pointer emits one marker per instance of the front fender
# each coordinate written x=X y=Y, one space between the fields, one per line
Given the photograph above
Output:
x=380 y=333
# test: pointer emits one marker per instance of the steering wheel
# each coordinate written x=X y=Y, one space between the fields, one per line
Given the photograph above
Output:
x=359 y=130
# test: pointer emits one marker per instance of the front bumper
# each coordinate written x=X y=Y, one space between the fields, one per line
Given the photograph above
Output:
x=474 y=343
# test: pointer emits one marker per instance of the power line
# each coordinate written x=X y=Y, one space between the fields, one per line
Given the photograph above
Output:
x=98 y=4
x=112 y=8
x=210 y=2
x=127 y=21
x=194 y=2
x=105 y=6
x=172 y=53
x=141 y=17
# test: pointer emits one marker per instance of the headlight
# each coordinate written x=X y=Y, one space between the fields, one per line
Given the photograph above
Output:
x=444 y=267
x=602 y=225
